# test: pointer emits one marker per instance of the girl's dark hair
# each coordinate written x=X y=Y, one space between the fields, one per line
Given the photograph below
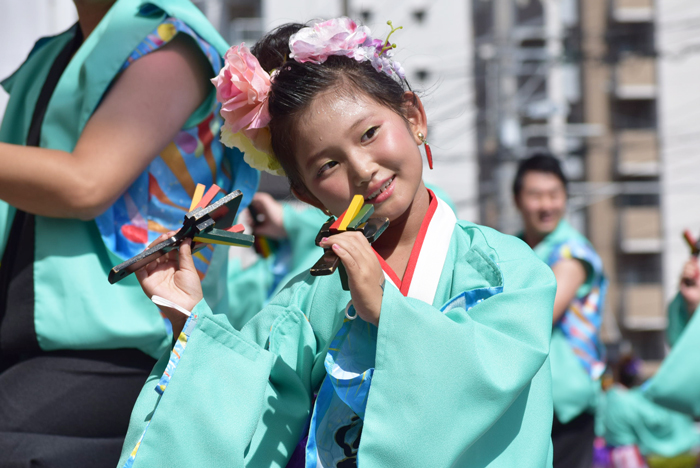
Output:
x=297 y=84
x=540 y=162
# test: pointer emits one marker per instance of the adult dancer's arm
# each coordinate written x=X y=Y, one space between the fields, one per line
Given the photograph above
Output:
x=146 y=107
x=571 y=275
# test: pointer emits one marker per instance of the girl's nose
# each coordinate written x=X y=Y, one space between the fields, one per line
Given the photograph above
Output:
x=362 y=169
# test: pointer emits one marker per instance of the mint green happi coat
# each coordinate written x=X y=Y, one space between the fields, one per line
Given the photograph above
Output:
x=75 y=306
x=470 y=387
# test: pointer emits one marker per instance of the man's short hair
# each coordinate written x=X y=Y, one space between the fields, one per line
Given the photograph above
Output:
x=540 y=162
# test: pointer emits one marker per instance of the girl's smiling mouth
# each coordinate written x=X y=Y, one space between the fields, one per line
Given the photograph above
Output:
x=382 y=192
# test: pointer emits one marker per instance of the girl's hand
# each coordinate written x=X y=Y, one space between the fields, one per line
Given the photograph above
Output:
x=690 y=284
x=271 y=217
x=365 y=274
x=173 y=277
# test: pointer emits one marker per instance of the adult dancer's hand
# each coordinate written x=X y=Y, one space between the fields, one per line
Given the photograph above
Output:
x=173 y=277
x=270 y=216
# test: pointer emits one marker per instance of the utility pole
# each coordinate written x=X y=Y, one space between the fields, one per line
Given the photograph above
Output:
x=509 y=137
x=555 y=79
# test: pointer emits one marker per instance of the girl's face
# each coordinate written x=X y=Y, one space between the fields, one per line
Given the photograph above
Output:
x=348 y=145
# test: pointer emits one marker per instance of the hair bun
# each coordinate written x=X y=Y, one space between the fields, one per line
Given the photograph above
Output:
x=273 y=50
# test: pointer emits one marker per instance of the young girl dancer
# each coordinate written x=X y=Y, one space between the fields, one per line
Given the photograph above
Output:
x=437 y=356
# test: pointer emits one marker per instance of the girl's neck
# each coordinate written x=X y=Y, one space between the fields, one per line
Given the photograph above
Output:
x=90 y=13
x=396 y=244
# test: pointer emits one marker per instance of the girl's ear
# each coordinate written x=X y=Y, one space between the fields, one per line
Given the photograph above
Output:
x=304 y=196
x=415 y=114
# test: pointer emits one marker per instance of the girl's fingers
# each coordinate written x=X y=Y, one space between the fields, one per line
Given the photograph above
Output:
x=141 y=274
x=186 y=261
x=161 y=238
x=352 y=241
x=346 y=257
x=347 y=245
x=355 y=245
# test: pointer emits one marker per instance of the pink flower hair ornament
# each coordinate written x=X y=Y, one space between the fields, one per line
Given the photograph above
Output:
x=342 y=36
x=243 y=87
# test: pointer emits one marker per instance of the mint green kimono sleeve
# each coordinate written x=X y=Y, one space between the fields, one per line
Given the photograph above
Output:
x=466 y=388
x=630 y=419
x=678 y=318
x=234 y=398
x=676 y=384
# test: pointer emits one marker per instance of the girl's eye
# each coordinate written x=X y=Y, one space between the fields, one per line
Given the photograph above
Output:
x=369 y=134
x=326 y=167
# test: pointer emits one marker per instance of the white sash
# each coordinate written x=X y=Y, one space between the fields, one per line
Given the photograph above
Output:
x=432 y=255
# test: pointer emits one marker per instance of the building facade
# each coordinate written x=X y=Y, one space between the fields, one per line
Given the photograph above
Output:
x=678 y=66
x=599 y=84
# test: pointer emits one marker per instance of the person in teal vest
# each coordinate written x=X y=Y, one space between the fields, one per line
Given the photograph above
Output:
x=437 y=354
x=108 y=128
x=540 y=192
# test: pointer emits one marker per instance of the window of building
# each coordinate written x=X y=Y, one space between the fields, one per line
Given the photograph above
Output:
x=630 y=38
x=634 y=113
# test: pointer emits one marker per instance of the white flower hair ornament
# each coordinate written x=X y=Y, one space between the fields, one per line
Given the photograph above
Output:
x=243 y=87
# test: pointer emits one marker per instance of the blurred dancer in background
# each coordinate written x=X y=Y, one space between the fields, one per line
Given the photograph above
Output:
x=639 y=433
x=676 y=385
x=109 y=127
x=686 y=302
x=540 y=191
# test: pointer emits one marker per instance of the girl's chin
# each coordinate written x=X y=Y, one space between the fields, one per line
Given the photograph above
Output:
x=399 y=203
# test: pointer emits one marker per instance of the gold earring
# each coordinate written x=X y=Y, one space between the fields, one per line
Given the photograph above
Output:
x=428 y=153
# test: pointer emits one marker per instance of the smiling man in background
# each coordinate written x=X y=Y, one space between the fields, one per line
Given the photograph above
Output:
x=540 y=192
